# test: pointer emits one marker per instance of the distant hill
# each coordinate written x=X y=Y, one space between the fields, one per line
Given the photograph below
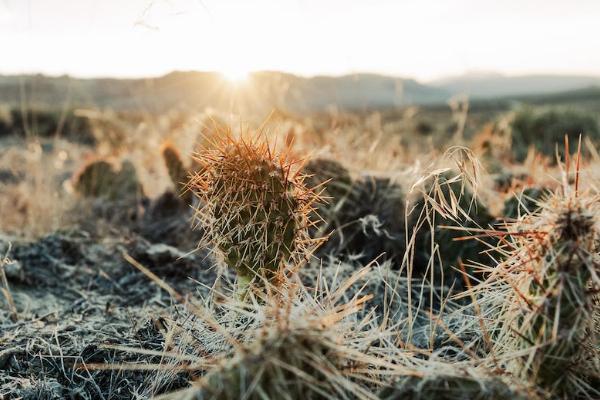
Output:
x=267 y=90
x=197 y=90
x=492 y=85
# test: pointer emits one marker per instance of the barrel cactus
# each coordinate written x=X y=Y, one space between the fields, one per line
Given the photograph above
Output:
x=255 y=208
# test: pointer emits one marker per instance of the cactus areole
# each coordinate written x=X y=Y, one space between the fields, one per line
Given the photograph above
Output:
x=255 y=209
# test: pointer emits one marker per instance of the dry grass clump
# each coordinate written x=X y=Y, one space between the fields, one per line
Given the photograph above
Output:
x=296 y=342
x=32 y=199
x=300 y=353
x=254 y=206
x=544 y=295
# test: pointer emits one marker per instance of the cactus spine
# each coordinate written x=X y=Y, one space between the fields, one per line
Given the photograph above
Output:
x=255 y=208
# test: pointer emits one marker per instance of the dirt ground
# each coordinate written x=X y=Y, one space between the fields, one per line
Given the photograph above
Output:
x=75 y=294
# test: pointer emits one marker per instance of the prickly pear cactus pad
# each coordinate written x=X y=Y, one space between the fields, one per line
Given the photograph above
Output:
x=547 y=285
x=255 y=206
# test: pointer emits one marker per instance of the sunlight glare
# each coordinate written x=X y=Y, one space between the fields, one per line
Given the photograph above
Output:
x=235 y=75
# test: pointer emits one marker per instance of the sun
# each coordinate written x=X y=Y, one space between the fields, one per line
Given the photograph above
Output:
x=235 y=75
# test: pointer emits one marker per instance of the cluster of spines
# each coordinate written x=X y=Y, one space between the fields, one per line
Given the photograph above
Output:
x=255 y=207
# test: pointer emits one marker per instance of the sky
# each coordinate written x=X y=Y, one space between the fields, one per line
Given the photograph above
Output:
x=423 y=39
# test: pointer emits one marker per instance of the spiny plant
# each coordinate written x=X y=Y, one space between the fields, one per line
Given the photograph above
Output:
x=443 y=211
x=364 y=217
x=255 y=206
x=305 y=343
x=331 y=176
x=178 y=172
x=99 y=178
x=94 y=179
x=544 y=293
x=371 y=221
x=287 y=361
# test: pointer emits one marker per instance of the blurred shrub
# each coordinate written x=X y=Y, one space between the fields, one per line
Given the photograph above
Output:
x=544 y=129
x=47 y=123
x=424 y=127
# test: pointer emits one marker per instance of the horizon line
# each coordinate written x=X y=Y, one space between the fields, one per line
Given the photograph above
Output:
x=466 y=74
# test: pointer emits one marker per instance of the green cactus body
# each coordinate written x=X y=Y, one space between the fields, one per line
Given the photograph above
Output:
x=95 y=179
x=548 y=312
x=264 y=210
x=256 y=210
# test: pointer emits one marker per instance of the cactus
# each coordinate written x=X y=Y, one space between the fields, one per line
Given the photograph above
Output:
x=255 y=208
x=268 y=368
x=454 y=205
x=548 y=325
x=302 y=344
x=94 y=179
x=330 y=176
x=98 y=178
x=451 y=387
x=372 y=223
x=178 y=173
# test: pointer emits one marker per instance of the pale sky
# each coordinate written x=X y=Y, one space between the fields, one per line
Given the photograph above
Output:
x=424 y=39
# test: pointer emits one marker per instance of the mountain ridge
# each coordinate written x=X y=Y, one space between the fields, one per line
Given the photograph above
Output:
x=267 y=89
